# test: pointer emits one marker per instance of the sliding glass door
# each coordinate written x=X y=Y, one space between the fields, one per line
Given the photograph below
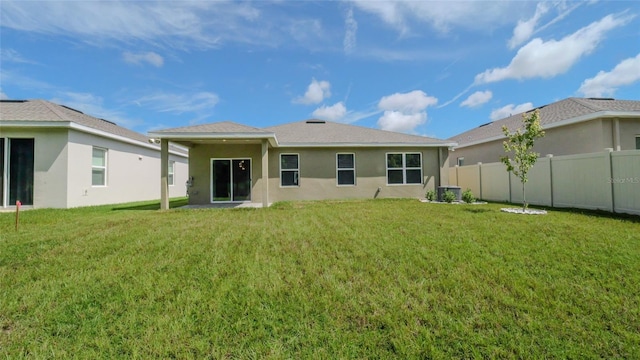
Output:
x=230 y=180
x=16 y=171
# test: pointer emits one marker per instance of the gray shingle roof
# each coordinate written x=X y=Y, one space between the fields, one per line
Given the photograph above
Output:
x=571 y=108
x=330 y=133
x=45 y=111
x=219 y=127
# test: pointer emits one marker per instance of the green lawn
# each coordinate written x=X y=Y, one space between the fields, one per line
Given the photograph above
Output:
x=353 y=279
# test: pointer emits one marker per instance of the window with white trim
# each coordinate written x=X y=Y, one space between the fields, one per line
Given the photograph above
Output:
x=460 y=160
x=289 y=169
x=346 y=169
x=99 y=167
x=637 y=142
x=171 y=174
x=404 y=168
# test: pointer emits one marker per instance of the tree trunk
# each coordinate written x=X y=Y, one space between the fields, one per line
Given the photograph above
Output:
x=524 y=199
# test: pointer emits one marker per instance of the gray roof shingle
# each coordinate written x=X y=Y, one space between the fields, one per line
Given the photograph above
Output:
x=566 y=109
x=219 y=127
x=332 y=133
x=45 y=111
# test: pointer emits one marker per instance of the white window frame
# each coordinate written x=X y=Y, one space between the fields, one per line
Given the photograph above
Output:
x=289 y=170
x=404 y=168
x=171 y=173
x=103 y=168
x=352 y=169
x=637 y=142
x=460 y=161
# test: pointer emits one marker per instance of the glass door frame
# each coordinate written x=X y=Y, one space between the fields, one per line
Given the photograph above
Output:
x=231 y=181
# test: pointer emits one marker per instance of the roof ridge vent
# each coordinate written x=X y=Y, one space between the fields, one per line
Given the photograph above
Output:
x=13 y=101
x=110 y=122
x=600 y=98
x=316 y=122
x=483 y=125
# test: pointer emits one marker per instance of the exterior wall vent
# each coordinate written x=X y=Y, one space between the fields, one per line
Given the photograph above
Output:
x=316 y=122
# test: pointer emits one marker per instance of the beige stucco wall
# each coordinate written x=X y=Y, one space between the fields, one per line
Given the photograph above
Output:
x=50 y=164
x=317 y=172
x=586 y=137
x=200 y=156
x=133 y=172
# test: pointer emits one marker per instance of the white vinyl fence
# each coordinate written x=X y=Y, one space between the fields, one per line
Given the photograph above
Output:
x=607 y=180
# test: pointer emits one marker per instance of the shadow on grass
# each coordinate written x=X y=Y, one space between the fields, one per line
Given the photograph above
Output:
x=478 y=211
x=173 y=203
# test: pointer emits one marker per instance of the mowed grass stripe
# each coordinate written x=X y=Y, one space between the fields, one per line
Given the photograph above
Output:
x=332 y=279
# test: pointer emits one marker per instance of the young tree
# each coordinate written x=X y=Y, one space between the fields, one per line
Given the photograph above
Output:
x=521 y=144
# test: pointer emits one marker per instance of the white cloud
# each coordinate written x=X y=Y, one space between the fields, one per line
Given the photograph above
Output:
x=443 y=15
x=523 y=31
x=3 y=96
x=410 y=102
x=150 y=57
x=477 y=98
x=401 y=122
x=335 y=112
x=548 y=59
x=199 y=103
x=316 y=92
x=351 y=28
x=509 y=110
x=604 y=83
x=403 y=112
x=93 y=105
x=10 y=55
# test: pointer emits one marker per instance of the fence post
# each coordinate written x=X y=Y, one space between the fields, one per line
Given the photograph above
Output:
x=550 y=157
x=611 y=182
x=480 y=179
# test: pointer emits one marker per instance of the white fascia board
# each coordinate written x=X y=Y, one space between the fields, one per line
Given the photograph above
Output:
x=271 y=137
x=571 y=121
x=377 y=145
x=85 y=129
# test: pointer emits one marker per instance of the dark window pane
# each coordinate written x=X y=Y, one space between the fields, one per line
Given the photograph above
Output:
x=289 y=178
x=21 y=171
x=638 y=143
x=345 y=161
x=394 y=176
x=414 y=177
x=413 y=160
x=241 y=180
x=394 y=160
x=221 y=180
x=346 y=177
x=289 y=161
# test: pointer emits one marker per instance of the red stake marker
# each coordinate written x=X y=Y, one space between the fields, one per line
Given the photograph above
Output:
x=18 y=203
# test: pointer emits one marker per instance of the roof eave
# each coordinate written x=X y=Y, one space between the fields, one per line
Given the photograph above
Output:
x=185 y=136
x=335 y=145
x=571 y=121
x=82 y=128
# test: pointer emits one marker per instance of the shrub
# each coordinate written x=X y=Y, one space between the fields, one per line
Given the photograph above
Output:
x=467 y=196
x=431 y=195
x=449 y=196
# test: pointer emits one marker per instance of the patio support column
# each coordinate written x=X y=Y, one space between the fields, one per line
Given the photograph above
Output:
x=265 y=173
x=443 y=166
x=164 y=174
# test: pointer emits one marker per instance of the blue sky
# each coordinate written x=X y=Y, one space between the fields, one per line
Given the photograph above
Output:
x=432 y=68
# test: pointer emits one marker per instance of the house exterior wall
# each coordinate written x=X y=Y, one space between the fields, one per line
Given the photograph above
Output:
x=318 y=174
x=586 y=137
x=50 y=164
x=200 y=156
x=132 y=172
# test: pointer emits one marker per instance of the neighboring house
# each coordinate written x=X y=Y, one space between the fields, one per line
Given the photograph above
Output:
x=307 y=160
x=572 y=126
x=52 y=156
